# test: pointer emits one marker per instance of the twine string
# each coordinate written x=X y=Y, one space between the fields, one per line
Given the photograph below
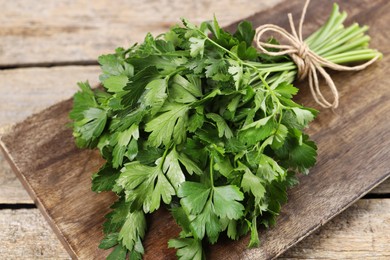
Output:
x=309 y=64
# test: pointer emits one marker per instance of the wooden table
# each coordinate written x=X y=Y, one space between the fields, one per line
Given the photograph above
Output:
x=47 y=46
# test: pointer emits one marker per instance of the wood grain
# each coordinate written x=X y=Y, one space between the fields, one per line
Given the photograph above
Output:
x=25 y=91
x=25 y=235
x=66 y=31
x=11 y=191
x=360 y=232
x=353 y=159
x=383 y=188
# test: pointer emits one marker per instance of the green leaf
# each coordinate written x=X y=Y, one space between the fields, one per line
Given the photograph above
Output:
x=236 y=70
x=244 y=52
x=121 y=143
x=82 y=101
x=193 y=196
x=173 y=170
x=245 y=32
x=133 y=230
x=303 y=116
x=119 y=253
x=146 y=186
x=195 y=122
x=279 y=136
x=111 y=64
x=135 y=88
x=226 y=203
x=117 y=217
x=155 y=95
x=190 y=165
x=252 y=134
x=251 y=183
x=223 y=128
x=223 y=165
x=115 y=83
x=192 y=85
x=286 y=90
x=182 y=220
x=206 y=222
x=109 y=241
x=171 y=121
x=196 y=46
x=179 y=91
x=89 y=129
x=258 y=123
x=149 y=156
x=104 y=179
x=214 y=28
x=187 y=248
x=88 y=119
x=216 y=69
x=304 y=155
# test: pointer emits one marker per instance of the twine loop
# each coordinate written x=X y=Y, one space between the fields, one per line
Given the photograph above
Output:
x=308 y=62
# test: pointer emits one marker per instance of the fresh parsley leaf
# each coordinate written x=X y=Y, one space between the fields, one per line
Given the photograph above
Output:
x=146 y=186
x=226 y=203
x=104 y=179
x=188 y=248
x=169 y=124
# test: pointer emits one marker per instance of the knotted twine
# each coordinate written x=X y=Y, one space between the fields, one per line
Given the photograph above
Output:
x=307 y=61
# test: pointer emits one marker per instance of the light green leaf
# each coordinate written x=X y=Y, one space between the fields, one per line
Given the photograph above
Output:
x=196 y=46
x=115 y=83
x=145 y=186
x=178 y=93
x=173 y=170
x=91 y=126
x=303 y=116
x=286 y=90
x=193 y=196
x=258 y=123
x=279 y=136
x=133 y=230
x=251 y=183
x=206 y=222
x=155 y=95
x=236 y=70
x=163 y=126
x=192 y=85
x=121 y=141
x=187 y=248
x=226 y=203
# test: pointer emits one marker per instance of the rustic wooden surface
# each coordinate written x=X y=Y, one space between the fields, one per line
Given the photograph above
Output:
x=28 y=90
x=360 y=232
x=66 y=31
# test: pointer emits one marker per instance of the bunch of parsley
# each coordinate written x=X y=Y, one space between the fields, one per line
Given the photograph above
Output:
x=196 y=120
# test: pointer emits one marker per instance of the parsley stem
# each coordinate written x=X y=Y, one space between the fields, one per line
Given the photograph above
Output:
x=161 y=163
x=212 y=170
x=219 y=46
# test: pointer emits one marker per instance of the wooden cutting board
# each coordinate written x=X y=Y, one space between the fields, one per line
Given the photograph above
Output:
x=353 y=141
